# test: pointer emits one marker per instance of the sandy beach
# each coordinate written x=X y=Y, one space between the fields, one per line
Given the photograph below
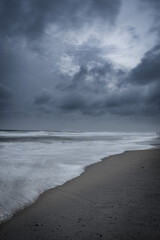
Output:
x=117 y=198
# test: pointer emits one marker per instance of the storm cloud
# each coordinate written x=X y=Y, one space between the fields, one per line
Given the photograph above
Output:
x=148 y=70
x=70 y=59
x=99 y=88
x=31 y=17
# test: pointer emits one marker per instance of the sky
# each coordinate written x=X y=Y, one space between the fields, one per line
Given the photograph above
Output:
x=85 y=65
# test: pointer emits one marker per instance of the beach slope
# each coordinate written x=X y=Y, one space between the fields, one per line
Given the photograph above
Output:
x=117 y=198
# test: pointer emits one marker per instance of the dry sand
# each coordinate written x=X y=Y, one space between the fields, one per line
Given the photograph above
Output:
x=118 y=198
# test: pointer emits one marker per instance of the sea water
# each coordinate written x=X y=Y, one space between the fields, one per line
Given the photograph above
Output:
x=33 y=161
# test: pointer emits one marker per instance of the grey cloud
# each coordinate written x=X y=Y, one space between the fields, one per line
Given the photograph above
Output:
x=93 y=80
x=153 y=96
x=154 y=6
x=121 y=97
x=31 y=17
x=132 y=32
x=44 y=73
x=119 y=102
x=148 y=70
x=85 y=92
x=89 y=52
x=6 y=95
x=100 y=88
x=95 y=71
x=7 y=63
x=74 y=101
x=146 y=76
x=5 y=92
x=91 y=91
x=43 y=97
x=90 y=80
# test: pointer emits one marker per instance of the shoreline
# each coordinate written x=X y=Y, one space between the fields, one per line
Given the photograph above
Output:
x=152 y=146
x=54 y=208
x=84 y=170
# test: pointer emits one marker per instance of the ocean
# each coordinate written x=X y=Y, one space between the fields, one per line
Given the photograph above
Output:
x=32 y=162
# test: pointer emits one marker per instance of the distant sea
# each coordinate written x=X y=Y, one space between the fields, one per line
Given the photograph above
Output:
x=33 y=161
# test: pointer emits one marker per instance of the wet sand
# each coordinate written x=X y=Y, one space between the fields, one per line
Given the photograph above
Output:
x=118 y=198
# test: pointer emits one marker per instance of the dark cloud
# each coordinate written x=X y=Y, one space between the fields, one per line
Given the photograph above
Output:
x=146 y=76
x=92 y=91
x=31 y=17
x=99 y=87
x=148 y=70
x=93 y=79
x=5 y=93
x=43 y=97
x=87 y=90
x=154 y=6
x=95 y=71
x=74 y=101
x=153 y=98
x=102 y=88
x=20 y=69
x=42 y=73
x=132 y=32
x=7 y=63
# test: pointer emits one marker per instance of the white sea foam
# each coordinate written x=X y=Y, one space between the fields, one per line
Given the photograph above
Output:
x=32 y=162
